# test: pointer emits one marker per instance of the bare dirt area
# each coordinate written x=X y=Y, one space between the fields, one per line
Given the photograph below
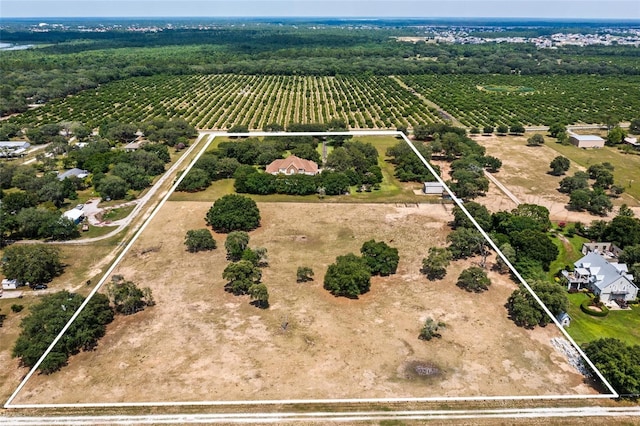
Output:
x=524 y=173
x=200 y=343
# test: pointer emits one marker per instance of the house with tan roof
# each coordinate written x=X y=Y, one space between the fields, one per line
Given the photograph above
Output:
x=293 y=165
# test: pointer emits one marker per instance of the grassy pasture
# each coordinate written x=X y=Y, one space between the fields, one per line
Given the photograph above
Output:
x=627 y=166
x=201 y=343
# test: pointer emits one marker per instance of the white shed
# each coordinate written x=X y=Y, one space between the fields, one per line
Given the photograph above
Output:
x=433 y=188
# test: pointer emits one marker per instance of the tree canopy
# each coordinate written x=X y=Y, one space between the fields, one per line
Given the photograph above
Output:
x=435 y=265
x=474 y=279
x=380 y=257
x=34 y=264
x=349 y=276
x=47 y=318
x=618 y=362
x=525 y=311
x=233 y=213
x=199 y=240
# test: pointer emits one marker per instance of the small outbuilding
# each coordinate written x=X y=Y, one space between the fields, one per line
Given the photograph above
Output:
x=564 y=319
x=433 y=188
x=8 y=284
x=586 y=141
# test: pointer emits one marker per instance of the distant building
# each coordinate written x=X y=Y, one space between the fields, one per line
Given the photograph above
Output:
x=132 y=146
x=79 y=173
x=586 y=141
x=293 y=165
x=13 y=148
x=433 y=188
x=632 y=141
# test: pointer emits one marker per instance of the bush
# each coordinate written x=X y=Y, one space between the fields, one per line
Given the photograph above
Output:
x=17 y=308
x=304 y=274
x=233 y=213
x=431 y=329
x=474 y=279
x=199 y=240
x=585 y=307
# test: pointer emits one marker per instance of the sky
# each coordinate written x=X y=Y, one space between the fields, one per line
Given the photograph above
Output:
x=560 y=9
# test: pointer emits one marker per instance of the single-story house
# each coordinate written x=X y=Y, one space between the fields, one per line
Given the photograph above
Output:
x=79 y=173
x=13 y=148
x=609 y=251
x=632 y=141
x=564 y=319
x=132 y=146
x=8 y=284
x=75 y=215
x=433 y=188
x=293 y=165
x=586 y=141
x=609 y=280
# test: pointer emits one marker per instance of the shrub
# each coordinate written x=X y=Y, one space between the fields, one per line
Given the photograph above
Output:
x=17 y=308
x=199 y=240
x=431 y=329
x=585 y=307
x=304 y=274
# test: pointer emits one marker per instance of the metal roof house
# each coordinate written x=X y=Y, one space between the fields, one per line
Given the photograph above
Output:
x=74 y=215
x=609 y=280
x=13 y=148
x=79 y=173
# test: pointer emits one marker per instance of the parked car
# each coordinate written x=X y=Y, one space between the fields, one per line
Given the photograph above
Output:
x=40 y=287
x=79 y=206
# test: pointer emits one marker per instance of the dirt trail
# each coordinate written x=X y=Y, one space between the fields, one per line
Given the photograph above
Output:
x=454 y=120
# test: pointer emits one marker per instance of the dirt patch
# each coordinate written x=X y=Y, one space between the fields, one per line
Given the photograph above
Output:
x=201 y=343
x=525 y=173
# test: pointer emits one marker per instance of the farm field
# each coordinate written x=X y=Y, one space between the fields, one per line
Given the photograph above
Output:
x=480 y=100
x=525 y=173
x=219 y=101
x=202 y=343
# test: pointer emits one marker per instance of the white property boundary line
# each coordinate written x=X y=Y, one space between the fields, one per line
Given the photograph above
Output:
x=458 y=202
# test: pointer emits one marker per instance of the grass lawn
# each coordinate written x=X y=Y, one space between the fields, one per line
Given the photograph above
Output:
x=96 y=231
x=623 y=325
x=391 y=189
x=117 y=213
x=627 y=166
x=569 y=249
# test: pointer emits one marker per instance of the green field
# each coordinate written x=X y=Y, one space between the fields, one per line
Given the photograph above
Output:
x=569 y=252
x=554 y=98
x=219 y=101
x=623 y=325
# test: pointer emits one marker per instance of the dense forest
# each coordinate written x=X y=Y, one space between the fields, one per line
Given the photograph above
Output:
x=67 y=62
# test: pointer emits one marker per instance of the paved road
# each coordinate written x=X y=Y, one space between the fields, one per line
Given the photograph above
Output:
x=140 y=202
x=630 y=414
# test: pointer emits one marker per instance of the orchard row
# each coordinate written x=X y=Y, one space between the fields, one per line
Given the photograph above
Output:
x=220 y=101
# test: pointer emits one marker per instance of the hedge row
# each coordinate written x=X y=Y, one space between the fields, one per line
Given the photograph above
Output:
x=586 y=308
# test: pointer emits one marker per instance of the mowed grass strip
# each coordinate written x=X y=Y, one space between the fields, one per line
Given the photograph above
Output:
x=619 y=324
